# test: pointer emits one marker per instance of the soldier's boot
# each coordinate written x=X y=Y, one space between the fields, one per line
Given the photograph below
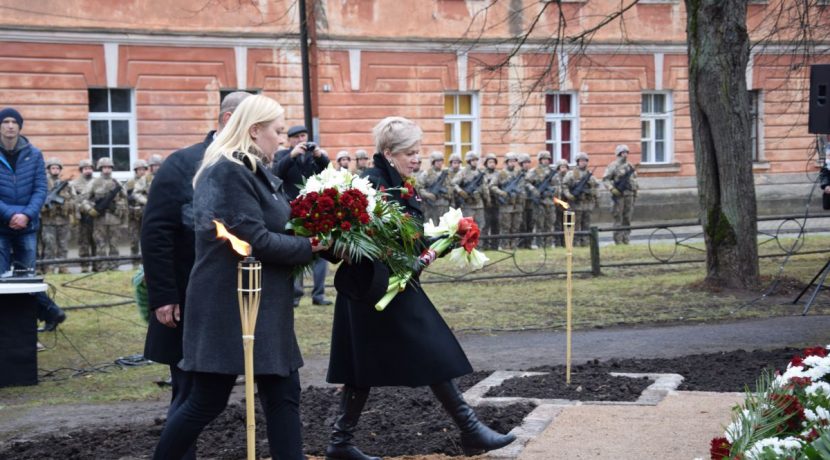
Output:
x=63 y=269
x=340 y=443
x=476 y=437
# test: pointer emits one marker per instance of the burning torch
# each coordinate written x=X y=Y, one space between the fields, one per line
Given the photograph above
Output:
x=248 y=289
x=568 y=227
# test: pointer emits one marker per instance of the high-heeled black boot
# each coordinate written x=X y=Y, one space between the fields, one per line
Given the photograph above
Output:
x=476 y=437
x=340 y=444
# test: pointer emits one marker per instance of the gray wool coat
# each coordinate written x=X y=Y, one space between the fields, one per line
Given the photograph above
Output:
x=254 y=208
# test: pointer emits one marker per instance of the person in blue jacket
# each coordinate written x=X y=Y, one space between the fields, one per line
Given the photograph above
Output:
x=22 y=193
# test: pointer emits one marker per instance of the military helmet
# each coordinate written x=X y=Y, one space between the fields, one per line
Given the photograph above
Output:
x=455 y=157
x=543 y=154
x=342 y=154
x=83 y=164
x=491 y=156
x=361 y=154
x=54 y=161
x=510 y=156
x=105 y=161
x=620 y=149
x=140 y=164
x=524 y=158
x=581 y=156
x=435 y=155
x=155 y=159
x=471 y=155
x=562 y=162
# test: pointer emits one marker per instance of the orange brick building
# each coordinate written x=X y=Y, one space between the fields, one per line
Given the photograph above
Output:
x=129 y=79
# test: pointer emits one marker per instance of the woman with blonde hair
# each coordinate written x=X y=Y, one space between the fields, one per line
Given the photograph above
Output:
x=407 y=344
x=234 y=187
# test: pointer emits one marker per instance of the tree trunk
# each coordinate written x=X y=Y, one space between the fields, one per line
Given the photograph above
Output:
x=718 y=50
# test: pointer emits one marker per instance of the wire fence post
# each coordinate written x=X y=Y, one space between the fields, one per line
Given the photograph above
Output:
x=594 y=241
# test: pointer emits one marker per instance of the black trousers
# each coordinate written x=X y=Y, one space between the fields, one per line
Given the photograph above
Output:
x=182 y=386
x=280 y=398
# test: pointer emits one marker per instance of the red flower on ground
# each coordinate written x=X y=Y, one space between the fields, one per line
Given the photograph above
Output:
x=345 y=225
x=815 y=351
x=797 y=361
x=719 y=449
x=790 y=405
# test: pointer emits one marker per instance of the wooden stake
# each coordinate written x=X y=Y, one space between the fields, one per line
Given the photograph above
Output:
x=569 y=251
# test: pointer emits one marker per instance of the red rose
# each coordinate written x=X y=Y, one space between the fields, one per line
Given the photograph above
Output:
x=719 y=449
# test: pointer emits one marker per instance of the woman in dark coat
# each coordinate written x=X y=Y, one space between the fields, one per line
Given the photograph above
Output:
x=407 y=344
x=234 y=187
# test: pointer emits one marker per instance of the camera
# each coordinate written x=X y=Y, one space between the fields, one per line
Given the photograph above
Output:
x=310 y=147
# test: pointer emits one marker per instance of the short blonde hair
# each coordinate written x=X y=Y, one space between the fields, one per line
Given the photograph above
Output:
x=396 y=134
x=236 y=135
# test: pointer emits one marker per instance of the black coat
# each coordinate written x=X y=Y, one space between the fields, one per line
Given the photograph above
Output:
x=407 y=344
x=294 y=171
x=167 y=246
x=254 y=208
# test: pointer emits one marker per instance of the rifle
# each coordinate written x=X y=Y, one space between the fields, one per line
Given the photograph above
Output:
x=510 y=187
x=544 y=187
x=54 y=198
x=623 y=182
x=437 y=188
x=103 y=204
x=579 y=188
x=474 y=184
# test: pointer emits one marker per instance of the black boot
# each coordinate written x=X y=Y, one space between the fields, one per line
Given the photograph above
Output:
x=49 y=312
x=476 y=437
x=340 y=445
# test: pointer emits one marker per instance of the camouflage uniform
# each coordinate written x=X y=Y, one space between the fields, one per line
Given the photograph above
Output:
x=543 y=213
x=623 y=199
x=136 y=209
x=584 y=204
x=56 y=217
x=452 y=171
x=559 y=211
x=86 y=244
x=528 y=194
x=510 y=211
x=472 y=204
x=435 y=204
x=494 y=180
x=360 y=165
x=106 y=223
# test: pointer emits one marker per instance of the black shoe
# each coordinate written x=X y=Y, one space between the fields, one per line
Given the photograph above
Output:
x=322 y=302
x=340 y=444
x=51 y=324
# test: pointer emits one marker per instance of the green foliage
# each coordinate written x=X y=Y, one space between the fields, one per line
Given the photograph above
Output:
x=819 y=449
x=759 y=418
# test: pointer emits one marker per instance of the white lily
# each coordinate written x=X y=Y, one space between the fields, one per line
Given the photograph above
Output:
x=474 y=260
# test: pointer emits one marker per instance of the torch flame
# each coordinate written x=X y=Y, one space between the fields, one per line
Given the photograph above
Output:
x=242 y=248
x=561 y=203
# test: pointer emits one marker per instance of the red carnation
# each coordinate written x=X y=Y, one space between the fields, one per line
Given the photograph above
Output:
x=791 y=406
x=797 y=361
x=719 y=449
x=815 y=351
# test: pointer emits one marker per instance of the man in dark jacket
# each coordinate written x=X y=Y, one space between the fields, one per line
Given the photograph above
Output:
x=168 y=252
x=293 y=165
x=22 y=194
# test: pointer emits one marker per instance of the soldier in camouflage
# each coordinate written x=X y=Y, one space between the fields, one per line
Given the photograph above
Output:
x=154 y=162
x=541 y=177
x=86 y=244
x=342 y=160
x=57 y=213
x=562 y=168
x=106 y=221
x=135 y=207
x=435 y=186
x=529 y=195
x=508 y=206
x=494 y=179
x=361 y=159
x=473 y=192
x=454 y=169
x=621 y=180
x=583 y=182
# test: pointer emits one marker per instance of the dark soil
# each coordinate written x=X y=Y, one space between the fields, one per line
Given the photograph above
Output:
x=587 y=384
x=407 y=421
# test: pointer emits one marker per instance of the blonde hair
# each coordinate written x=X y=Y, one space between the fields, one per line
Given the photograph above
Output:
x=396 y=134
x=236 y=135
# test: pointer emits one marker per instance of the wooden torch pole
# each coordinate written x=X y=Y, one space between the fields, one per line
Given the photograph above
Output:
x=569 y=251
x=249 y=279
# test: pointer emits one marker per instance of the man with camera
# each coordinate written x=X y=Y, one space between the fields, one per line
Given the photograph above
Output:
x=302 y=159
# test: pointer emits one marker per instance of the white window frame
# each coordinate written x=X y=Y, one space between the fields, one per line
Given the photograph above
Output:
x=455 y=121
x=131 y=119
x=651 y=118
x=554 y=146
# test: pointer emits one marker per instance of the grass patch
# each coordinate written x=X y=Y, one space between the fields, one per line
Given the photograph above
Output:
x=95 y=337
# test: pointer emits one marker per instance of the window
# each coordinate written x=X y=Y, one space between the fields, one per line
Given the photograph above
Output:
x=755 y=124
x=656 y=128
x=112 y=126
x=460 y=124
x=561 y=125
